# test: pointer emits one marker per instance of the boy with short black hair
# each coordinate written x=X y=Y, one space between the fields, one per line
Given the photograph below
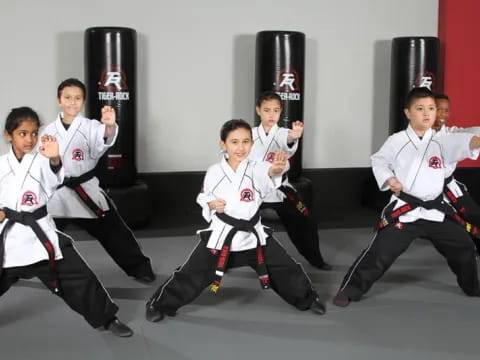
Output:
x=411 y=163
x=80 y=199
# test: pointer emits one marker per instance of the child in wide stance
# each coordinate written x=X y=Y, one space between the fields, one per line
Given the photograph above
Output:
x=80 y=199
x=412 y=164
x=232 y=193
x=30 y=245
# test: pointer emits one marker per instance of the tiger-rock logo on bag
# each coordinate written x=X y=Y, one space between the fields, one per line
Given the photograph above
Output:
x=427 y=79
x=113 y=85
x=287 y=85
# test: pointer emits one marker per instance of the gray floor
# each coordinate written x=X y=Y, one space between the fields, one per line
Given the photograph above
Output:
x=415 y=312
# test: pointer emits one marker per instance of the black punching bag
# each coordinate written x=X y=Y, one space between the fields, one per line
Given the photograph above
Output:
x=110 y=79
x=279 y=67
x=414 y=64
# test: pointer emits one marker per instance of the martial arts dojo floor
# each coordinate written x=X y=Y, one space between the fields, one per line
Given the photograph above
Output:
x=415 y=312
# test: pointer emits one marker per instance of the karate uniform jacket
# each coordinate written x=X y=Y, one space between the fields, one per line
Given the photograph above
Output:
x=244 y=192
x=452 y=185
x=264 y=149
x=27 y=186
x=81 y=146
x=420 y=165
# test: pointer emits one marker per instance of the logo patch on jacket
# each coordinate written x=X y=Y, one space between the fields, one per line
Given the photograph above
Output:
x=246 y=195
x=77 y=155
x=29 y=198
x=435 y=162
x=270 y=156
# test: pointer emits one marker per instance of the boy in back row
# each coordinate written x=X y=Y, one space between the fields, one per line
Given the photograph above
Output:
x=268 y=138
x=80 y=199
x=456 y=192
x=412 y=164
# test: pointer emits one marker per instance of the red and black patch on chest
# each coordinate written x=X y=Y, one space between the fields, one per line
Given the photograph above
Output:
x=247 y=195
x=29 y=198
x=270 y=157
x=435 y=162
x=78 y=154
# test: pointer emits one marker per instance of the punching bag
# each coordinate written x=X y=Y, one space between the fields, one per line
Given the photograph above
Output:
x=110 y=79
x=279 y=67
x=414 y=63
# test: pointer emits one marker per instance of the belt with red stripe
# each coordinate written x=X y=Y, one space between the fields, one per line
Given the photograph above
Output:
x=294 y=198
x=75 y=183
x=389 y=215
x=240 y=225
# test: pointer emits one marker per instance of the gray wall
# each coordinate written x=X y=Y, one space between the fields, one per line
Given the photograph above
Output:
x=196 y=68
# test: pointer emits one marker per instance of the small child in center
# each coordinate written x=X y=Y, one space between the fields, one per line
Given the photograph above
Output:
x=232 y=193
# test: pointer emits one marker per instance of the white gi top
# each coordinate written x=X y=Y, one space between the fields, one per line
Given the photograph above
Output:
x=420 y=165
x=243 y=191
x=81 y=146
x=27 y=186
x=264 y=149
x=452 y=185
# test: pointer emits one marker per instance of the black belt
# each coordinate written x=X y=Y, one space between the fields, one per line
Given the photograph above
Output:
x=448 y=179
x=460 y=205
x=292 y=196
x=240 y=225
x=75 y=183
x=30 y=219
x=389 y=215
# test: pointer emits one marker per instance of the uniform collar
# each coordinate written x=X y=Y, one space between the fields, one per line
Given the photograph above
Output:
x=66 y=134
x=263 y=135
x=20 y=167
x=416 y=139
x=235 y=177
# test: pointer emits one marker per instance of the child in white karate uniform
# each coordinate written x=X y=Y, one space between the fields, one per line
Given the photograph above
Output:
x=80 y=199
x=412 y=164
x=268 y=138
x=232 y=193
x=30 y=245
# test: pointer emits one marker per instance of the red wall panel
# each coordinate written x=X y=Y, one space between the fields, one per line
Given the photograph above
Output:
x=459 y=34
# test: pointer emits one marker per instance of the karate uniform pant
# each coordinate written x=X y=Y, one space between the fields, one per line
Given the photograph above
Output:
x=302 y=230
x=471 y=213
x=79 y=287
x=116 y=238
x=287 y=277
x=449 y=238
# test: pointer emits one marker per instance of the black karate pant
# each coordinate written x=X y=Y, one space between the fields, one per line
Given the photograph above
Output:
x=448 y=237
x=79 y=287
x=302 y=230
x=287 y=277
x=116 y=238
